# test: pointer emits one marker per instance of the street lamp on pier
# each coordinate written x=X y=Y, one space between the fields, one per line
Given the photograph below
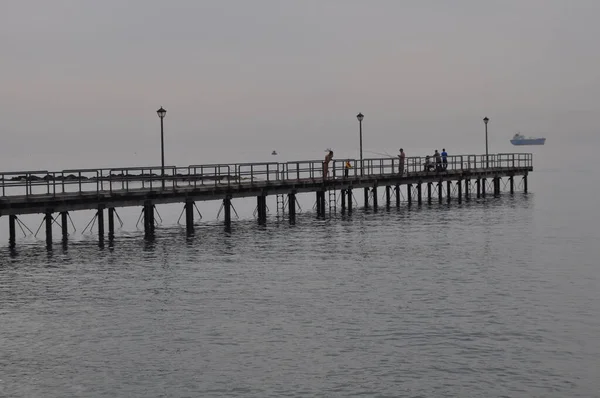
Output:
x=161 y=114
x=360 y=118
x=486 y=120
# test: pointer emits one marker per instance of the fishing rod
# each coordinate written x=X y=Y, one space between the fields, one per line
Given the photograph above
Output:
x=381 y=154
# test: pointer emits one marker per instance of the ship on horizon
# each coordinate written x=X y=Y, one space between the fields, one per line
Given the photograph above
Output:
x=519 y=139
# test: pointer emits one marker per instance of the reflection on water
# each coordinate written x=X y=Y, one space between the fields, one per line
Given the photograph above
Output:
x=437 y=300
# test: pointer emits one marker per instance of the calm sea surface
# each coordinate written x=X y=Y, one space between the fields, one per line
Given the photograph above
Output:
x=491 y=298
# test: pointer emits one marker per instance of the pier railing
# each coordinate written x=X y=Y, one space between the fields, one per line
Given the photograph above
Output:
x=156 y=178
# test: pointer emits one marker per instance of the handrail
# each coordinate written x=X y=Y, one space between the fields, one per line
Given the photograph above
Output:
x=86 y=181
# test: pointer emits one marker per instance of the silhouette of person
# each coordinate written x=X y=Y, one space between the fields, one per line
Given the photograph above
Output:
x=402 y=156
x=328 y=158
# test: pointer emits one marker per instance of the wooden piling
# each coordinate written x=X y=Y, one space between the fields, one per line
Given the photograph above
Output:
x=459 y=187
x=12 y=219
x=343 y=200
x=189 y=217
x=388 y=196
x=292 y=207
x=397 y=195
x=262 y=208
x=148 y=218
x=48 y=218
x=429 y=193
x=448 y=190
x=366 y=198
x=419 y=193
x=349 y=200
x=111 y=223
x=440 y=189
x=374 y=192
x=227 y=211
x=100 y=214
x=409 y=193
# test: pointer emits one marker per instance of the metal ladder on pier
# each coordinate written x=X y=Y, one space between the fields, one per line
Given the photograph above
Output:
x=332 y=200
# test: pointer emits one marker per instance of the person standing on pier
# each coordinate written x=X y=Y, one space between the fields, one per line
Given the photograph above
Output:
x=402 y=156
x=444 y=159
x=328 y=158
x=347 y=168
x=438 y=161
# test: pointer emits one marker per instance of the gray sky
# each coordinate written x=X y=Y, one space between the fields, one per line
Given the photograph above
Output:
x=81 y=79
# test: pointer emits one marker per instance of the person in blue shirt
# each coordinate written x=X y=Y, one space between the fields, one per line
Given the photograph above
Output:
x=444 y=159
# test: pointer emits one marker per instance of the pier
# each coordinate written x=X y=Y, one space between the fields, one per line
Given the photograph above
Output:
x=55 y=194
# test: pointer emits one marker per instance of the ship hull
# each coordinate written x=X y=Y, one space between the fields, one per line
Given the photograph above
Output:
x=529 y=141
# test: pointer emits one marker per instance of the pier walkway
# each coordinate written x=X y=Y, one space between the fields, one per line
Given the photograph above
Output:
x=48 y=192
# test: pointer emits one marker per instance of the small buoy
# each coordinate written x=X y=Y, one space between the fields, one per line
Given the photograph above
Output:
x=274 y=153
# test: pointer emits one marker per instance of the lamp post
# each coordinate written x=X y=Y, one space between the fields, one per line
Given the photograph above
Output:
x=487 y=164
x=360 y=118
x=161 y=114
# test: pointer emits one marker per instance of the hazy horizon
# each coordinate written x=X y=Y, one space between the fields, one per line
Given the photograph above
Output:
x=82 y=80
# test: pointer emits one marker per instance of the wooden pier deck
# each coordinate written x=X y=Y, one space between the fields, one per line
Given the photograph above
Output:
x=45 y=192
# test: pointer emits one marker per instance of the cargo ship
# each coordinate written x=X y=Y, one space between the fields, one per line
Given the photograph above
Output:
x=519 y=139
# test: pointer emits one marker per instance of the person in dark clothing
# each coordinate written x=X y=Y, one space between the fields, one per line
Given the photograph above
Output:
x=326 y=164
x=402 y=157
x=428 y=166
x=438 y=161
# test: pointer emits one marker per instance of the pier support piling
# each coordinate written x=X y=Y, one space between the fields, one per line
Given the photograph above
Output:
x=483 y=183
x=467 y=186
x=49 y=220
x=12 y=220
x=227 y=211
x=440 y=189
x=429 y=193
x=374 y=192
x=349 y=200
x=261 y=202
x=525 y=183
x=343 y=201
x=511 y=181
x=388 y=196
x=409 y=193
x=148 y=219
x=397 y=195
x=448 y=190
x=318 y=203
x=189 y=217
x=111 y=223
x=459 y=186
x=292 y=207
x=478 y=183
x=64 y=219
x=419 y=193
x=366 y=198
x=100 y=223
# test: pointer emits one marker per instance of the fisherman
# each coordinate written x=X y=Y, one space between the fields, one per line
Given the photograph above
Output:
x=347 y=168
x=402 y=156
x=444 y=159
x=328 y=158
x=438 y=161
x=428 y=166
